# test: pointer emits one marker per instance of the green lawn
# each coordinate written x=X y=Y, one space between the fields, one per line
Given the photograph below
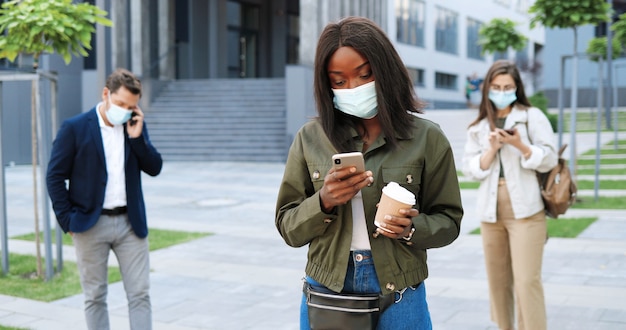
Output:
x=586 y=121
x=562 y=227
x=23 y=282
x=604 y=184
x=158 y=238
x=605 y=171
x=603 y=203
x=603 y=161
x=469 y=185
x=11 y=328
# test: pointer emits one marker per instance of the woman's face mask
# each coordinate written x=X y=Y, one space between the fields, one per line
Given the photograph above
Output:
x=116 y=114
x=502 y=99
x=359 y=101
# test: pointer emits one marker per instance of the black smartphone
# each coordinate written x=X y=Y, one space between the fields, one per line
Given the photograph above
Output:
x=510 y=131
x=132 y=121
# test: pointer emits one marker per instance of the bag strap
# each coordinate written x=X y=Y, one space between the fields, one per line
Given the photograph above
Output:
x=386 y=300
x=531 y=140
x=562 y=149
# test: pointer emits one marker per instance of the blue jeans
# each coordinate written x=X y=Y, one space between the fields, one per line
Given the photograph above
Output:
x=410 y=311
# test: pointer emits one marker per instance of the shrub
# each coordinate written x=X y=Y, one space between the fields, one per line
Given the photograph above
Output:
x=540 y=101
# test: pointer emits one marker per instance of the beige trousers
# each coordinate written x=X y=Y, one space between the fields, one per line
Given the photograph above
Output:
x=513 y=257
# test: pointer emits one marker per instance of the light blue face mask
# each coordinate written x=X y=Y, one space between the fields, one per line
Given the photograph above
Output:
x=359 y=101
x=502 y=99
x=116 y=114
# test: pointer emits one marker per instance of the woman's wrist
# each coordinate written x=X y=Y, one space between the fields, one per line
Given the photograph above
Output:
x=326 y=209
x=408 y=236
x=526 y=151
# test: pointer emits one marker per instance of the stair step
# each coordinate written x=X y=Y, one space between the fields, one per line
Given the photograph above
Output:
x=220 y=120
x=192 y=140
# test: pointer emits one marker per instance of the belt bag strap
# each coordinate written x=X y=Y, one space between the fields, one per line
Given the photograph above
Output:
x=344 y=310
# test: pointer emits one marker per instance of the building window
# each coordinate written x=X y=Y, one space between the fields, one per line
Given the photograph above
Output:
x=417 y=76
x=293 y=38
x=500 y=56
x=410 y=21
x=506 y=3
x=522 y=6
x=446 y=31
x=473 y=48
x=89 y=62
x=521 y=58
x=619 y=8
x=445 y=81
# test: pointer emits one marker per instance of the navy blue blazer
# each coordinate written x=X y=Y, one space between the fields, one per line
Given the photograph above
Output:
x=78 y=156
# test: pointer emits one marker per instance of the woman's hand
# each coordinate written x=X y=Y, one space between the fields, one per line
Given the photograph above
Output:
x=510 y=136
x=495 y=143
x=397 y=227
x=341 y=185
x=515 y=140
x=495 y=139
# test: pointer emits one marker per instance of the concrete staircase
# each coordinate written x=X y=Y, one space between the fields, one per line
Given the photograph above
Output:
x=220 y=120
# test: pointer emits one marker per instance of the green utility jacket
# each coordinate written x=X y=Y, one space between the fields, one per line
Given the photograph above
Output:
x=423 y=163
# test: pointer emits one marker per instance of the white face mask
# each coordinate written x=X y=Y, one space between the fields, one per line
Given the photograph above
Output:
x=359 y=101
x=116 y=114
x=502 y=99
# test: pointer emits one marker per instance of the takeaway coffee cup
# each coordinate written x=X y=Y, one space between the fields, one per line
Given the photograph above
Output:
x=393 y=198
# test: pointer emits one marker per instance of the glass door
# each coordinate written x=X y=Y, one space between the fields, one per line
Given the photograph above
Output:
x=243 y=32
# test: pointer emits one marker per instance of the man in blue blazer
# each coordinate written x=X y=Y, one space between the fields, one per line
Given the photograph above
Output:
x=101 y=154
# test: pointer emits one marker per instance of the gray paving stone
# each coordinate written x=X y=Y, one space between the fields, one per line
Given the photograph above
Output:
x=245 y=277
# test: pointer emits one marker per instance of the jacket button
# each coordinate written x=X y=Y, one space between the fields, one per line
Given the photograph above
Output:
x=390 y=286
x=328 y=220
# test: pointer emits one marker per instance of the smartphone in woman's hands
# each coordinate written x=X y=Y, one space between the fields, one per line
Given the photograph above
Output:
x=349 y=159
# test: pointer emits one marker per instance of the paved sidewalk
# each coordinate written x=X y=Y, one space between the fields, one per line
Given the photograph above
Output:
x=245 y=277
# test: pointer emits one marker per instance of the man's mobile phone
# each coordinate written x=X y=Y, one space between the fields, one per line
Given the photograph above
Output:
x=132 y=121
x=349 y=159
x=510 y=131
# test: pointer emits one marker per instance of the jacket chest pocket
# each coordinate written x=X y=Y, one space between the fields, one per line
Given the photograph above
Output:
x=409 y=177
x=317 y=173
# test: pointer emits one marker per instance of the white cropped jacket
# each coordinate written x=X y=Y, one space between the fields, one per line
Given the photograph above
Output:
x=519 y=172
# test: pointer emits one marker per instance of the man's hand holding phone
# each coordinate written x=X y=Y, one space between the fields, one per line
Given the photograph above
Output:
x=345 y=179
x=135 y=124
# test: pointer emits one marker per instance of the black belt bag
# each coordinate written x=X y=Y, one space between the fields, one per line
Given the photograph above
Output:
x=343 y=310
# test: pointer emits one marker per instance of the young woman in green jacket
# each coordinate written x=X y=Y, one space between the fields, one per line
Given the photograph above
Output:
x=366 y=102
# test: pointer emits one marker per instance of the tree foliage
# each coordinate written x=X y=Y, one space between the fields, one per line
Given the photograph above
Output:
x=597 y=48
x=38 y=26
x=500 y=34
x=568 y=13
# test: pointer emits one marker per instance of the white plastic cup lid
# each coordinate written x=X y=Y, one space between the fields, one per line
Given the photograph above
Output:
x=399 y=193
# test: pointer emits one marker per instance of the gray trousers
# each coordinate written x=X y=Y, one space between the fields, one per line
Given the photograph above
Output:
x=92 y=254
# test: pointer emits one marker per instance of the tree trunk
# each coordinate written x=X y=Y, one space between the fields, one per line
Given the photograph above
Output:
x=34 y=159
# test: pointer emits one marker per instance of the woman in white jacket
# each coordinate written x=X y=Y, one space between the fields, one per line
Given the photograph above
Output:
x=508 y=142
